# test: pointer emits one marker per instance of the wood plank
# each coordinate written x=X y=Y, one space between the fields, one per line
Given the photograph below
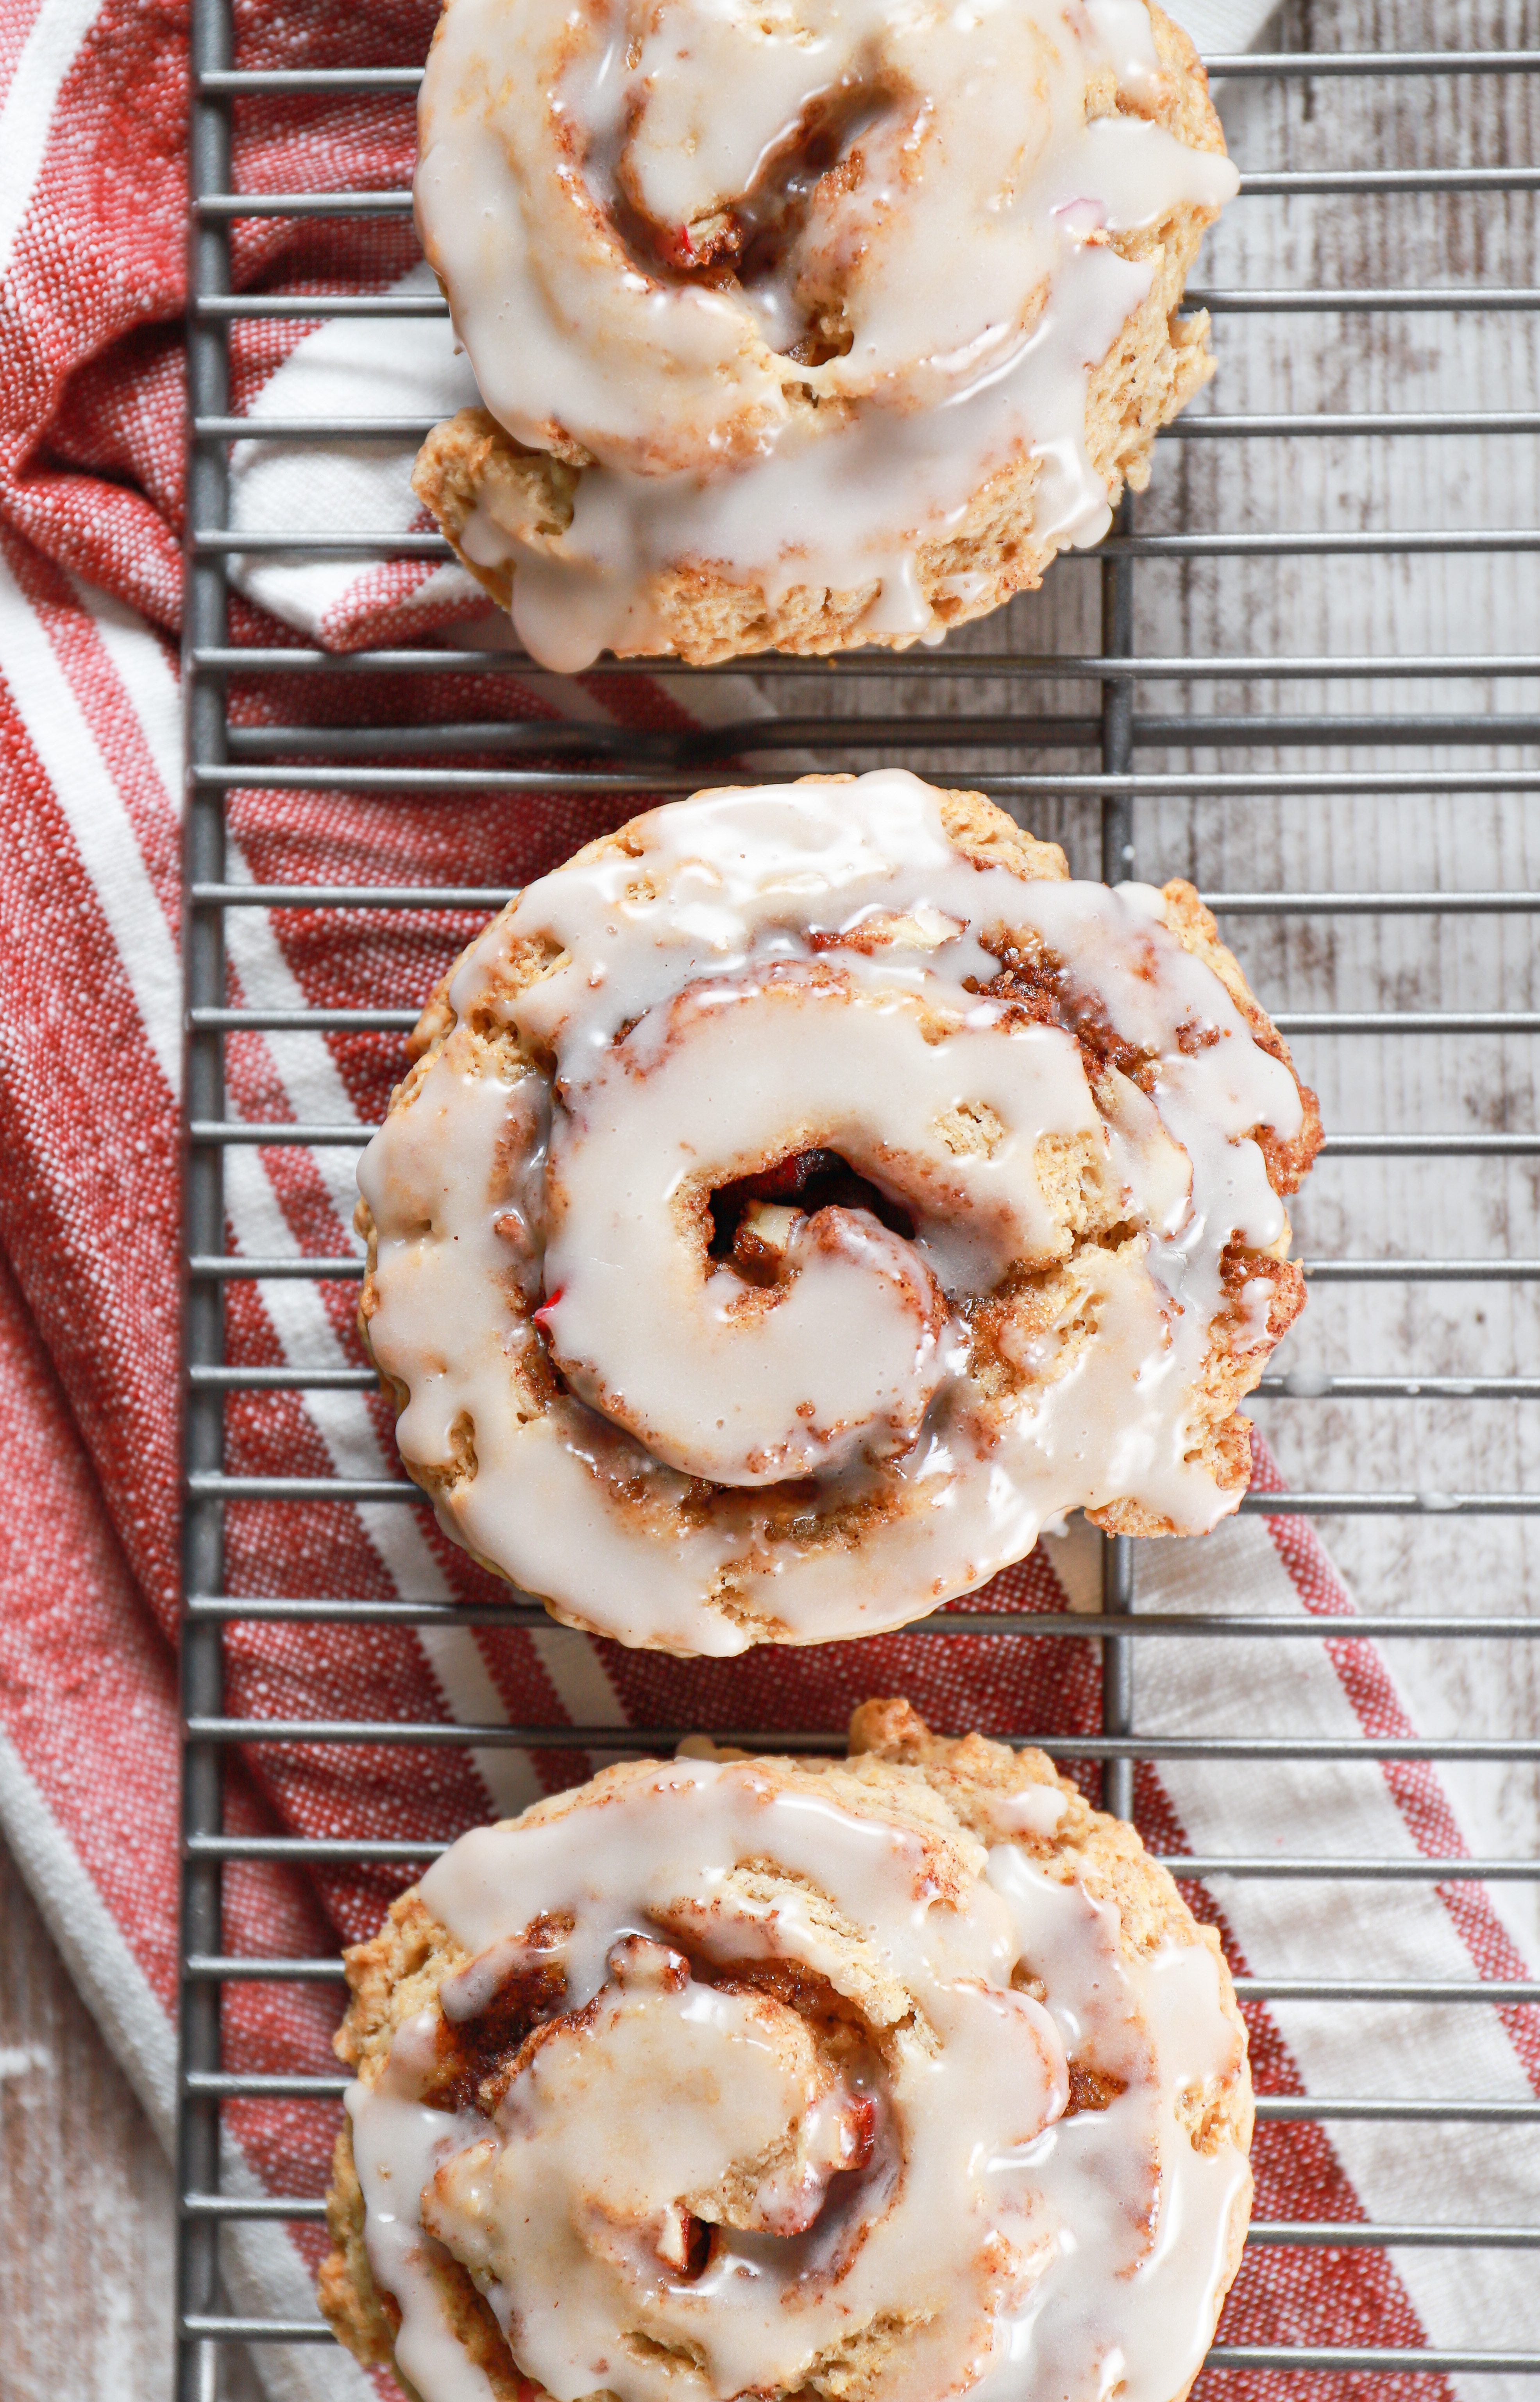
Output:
x=86 y=2195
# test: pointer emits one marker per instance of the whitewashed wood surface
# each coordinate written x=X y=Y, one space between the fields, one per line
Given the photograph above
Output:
x=86 y=2198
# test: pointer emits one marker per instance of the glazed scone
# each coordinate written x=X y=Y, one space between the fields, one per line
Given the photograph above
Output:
x=799 y=327
x=878 y=2079
x=807 y=1195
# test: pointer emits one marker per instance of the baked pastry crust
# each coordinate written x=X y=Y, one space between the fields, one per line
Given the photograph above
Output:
x=952 y=1794
x=471 y=466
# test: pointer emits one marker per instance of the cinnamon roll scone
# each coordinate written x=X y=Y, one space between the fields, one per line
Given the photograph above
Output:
x=883 y=2079
x=812 y=324
x=807 y=1195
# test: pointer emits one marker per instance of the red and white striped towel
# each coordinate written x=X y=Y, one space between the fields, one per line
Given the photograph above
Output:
x=92 y=236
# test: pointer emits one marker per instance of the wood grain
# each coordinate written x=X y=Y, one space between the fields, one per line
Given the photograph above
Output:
x=86 y=2195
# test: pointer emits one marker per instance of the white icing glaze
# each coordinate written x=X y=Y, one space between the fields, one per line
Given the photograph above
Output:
x=780 y=969
x=749 y=1386
x=930 y=2172
x=398 y=2144
x=572 y=164
x=1037 y=1809
x=1156 y=2024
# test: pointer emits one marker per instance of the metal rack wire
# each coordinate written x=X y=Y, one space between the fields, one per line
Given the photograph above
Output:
x=1101 y=707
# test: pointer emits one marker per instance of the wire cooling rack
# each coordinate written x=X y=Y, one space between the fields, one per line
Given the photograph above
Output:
x=1319 y=772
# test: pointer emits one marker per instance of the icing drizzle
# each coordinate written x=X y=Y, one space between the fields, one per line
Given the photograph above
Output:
x=861 y=1410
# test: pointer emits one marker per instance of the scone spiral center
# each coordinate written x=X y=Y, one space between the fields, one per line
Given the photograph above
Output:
x=825 y=1337
x=785 y=153
x=741 y=2137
